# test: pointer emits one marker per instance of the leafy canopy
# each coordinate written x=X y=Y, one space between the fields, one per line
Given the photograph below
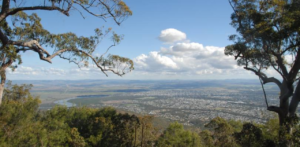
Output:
x=22 y=31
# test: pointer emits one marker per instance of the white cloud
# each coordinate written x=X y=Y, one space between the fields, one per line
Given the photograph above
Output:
x=188 y=59
x=171 y=35
x=154 y=62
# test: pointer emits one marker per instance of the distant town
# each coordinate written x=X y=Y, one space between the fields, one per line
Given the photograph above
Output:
x=188 y=106
x=192 y=103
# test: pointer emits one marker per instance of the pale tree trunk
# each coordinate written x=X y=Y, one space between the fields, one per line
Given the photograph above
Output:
x=2 y=83
x=3 y=76
x=1 y=91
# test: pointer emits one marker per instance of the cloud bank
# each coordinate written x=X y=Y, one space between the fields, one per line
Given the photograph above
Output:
x=187 y=59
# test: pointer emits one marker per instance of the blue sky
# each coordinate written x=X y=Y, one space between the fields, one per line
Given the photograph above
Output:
x=167 y=39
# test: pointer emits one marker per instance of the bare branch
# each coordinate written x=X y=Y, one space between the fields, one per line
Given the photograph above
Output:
x=270 y=59
x=280 y=63
x=107 y=50
x=264 y=78
x=34 y=44
x=79 y=12
x=262 y=86
x=275 y=109
x=16 y=10
x=109 y=11
x=291 y=46
x=103 y=69
x=87 y=10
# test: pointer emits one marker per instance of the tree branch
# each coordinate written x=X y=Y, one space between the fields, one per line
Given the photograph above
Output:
x=108 y=50
x=109 y=11
x=3 y=38
x=16 y=10
x=262 y=86
x=34 y=46
x=275 y=109
x=103 y=69
x=5 y=6
x=264 y=78
x=87 y=10
x=295 y=69
x=279 y=61
x=295 y=101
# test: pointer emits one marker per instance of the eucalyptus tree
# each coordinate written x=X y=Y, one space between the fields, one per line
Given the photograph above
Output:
x=268 y=39
x=21 y=30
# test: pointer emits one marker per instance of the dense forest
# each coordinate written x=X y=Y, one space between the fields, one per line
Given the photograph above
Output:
x=23 y=124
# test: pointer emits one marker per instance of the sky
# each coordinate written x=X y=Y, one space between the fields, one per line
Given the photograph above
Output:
x=166 y=39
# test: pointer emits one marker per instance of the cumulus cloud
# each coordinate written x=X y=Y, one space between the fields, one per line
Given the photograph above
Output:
x=171 y=35
x=155 y=62
x=187 y=58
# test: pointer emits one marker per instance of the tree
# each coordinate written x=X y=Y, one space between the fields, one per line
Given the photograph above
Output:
x=23 y=124
x=250 y=136
x=21 y=31
x=268 y=34
x=176 y=136
x=16 y=115
x=222 y=133
x=147 y=133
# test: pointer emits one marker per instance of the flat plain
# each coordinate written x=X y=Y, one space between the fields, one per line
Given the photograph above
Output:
x=192 y=103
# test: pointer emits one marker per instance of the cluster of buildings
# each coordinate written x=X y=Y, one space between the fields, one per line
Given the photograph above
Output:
x=186 y=106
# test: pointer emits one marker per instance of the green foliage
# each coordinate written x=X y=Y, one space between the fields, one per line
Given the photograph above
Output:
x=270 y=129
x=17 y=125
x=26 y=33
x=22 y=124
x=268 y=34
x=147 y=134
x=222 y=132
x=207 y=138
x=16 y=93
x=250 y=136
x=176 y=136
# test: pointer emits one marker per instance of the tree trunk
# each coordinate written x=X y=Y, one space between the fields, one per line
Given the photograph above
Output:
x=2 y=84
x=135 y=128
x=287 y=112
x=142 y=135
x=287 y=117
x=295 y=101
x=1 y=92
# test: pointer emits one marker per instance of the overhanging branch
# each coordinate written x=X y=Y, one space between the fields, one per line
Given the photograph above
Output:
x=264 y=78
x=16 y=10
x=34 y=46
x=103 y=69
